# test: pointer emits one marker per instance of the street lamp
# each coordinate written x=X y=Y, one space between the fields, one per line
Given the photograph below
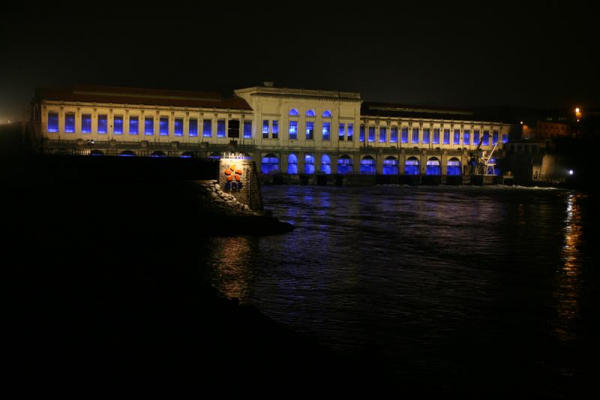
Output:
x=577 y=114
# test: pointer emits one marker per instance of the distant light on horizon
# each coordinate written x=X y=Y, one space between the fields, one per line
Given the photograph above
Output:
x=570 y=172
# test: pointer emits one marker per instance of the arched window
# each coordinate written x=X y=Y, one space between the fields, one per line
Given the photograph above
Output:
x=187 y=154
x=411 y=166
x=309 y=164
x=390 y=166
x=368 y=165
x=434 y=167
x=310 y=113
x=96 y=153
x=215 y=156
x=344 y=165
x=127 y=153
x=294 y=112
x=269 y=164
x=454 y=167
x=292 y=164
x=158 y=154
x=327 y=114
x=325 y=164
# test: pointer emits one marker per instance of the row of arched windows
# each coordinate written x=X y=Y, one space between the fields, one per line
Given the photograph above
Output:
x=368 y=165
x=309 y=113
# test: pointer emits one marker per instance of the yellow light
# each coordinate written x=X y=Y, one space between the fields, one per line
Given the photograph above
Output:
x=577 y=110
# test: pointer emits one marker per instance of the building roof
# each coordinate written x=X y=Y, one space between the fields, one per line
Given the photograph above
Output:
x=300 y=93
x=152 y=97
x=411 y=111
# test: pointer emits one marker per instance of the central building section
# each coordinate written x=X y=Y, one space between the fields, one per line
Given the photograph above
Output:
x=302 y=131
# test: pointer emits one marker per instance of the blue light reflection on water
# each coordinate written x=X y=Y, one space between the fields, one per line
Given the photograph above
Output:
x=441 y=283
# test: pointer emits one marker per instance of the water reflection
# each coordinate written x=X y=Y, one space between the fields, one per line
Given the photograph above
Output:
x=230 y=265
x=435 y=278
x=567 y=294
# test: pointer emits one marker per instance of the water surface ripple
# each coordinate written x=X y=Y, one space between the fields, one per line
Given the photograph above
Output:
x=461 y=288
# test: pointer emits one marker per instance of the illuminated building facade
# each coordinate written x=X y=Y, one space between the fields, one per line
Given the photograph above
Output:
x=287 y=131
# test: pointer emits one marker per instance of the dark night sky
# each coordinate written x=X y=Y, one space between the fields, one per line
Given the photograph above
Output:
x=543 y=54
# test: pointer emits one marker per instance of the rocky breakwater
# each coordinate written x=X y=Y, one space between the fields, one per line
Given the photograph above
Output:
x=220 y=213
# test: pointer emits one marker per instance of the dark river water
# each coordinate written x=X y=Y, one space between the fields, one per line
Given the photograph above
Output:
x=488 y=290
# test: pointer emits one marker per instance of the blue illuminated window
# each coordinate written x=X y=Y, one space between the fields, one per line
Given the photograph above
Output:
x=163 y=126
x=102 y=124
x=310 y=130
x=118 y=125
x=269 y=164
x=494 y=137
x=411 y=166
x=292 y=164
x=425 y=136
x=293 y=131
x=326 y=130
x=404 y=136
x=193 y=128
x=415 y=135
x=454 y=167
x=341 y=132
x=86 y=123
x=294 y=112
x=362 y=133
x=265 y=129
x=178 y=125
x=325 y=164
x=367 y=165
x=52 y=122
x=486 y=138
x=133 y=125
x=476 y=137
x=221 y=128
x=467 y=137
x=382 y=135
x=247 y=129
x=433 y=166
x=436 y=136
x=149 y=126
x=390 y=166
x=207 y=128
x=327 y=114
x=309 y=164
x=70 y=123
x=456 y=136
x=350 y=132
x=446 y=136
x=344 y=165
x=394 y=135
x=275 y=129
x=504 y=138
x=310 y=113
x=371 y=134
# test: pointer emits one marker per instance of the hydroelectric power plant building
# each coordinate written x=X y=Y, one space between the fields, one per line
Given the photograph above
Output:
x=292 y=134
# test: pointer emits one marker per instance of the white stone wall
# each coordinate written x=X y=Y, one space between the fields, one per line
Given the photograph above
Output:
x=141 y=111
x=274 y=104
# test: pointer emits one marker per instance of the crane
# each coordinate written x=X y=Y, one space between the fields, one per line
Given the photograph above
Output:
x=483 y=163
